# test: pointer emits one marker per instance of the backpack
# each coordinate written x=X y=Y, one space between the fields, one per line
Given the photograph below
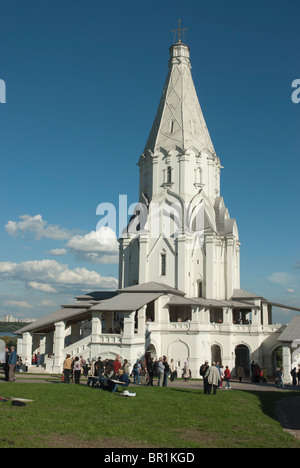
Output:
x=203 y=370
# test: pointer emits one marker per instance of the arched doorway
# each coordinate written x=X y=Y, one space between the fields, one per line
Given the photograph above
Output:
x=242 y=358
x=216 y=354
x=150 y=353
x=277 y=359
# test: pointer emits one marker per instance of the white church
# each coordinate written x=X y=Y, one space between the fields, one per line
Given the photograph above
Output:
x=179 y=264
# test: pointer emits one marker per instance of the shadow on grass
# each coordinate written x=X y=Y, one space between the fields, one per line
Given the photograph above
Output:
x=282 y=406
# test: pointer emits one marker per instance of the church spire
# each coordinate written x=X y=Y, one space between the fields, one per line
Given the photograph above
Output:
x=179 y=121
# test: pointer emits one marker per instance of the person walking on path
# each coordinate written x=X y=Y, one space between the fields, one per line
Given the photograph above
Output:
x=136 y=373
x=12 y=362
x=6 y=365
x=160 y=372
x=166 y=371
x=227 y=376
x=294 y=376
x=173 y=370
x=186 y=372
x=77 y=370
x=150 y=369
x=213 y=377
x=280 y=378
x=67 y=368
x=203 y=370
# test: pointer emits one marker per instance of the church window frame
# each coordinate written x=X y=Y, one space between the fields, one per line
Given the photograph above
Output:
x=163 y=263
x=171 y=126
x=200 y=289
x=169 y=175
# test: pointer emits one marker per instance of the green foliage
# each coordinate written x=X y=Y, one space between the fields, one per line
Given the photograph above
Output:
x=9 y=340
x=78 y=416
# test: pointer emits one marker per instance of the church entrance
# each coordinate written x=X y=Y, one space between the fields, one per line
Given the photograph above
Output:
x=150 y=353
x=216 y=355
x=242 y=358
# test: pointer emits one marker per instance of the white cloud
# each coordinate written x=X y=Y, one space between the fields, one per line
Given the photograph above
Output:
x=57 y=252
x=51 y=274
x=20 y=304
x=37 y=226
x=48 y=304
x=284 y=279
x=42 y=287
x=99 y=246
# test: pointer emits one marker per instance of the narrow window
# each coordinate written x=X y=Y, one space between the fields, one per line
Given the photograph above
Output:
x=169 y=175
x=200 y=289
x=163 y=264
x=171 y=126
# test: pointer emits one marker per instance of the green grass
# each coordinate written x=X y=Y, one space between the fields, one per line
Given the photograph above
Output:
x=79 y=416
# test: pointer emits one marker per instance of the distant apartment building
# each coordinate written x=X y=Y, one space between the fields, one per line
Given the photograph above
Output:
x=11 y=319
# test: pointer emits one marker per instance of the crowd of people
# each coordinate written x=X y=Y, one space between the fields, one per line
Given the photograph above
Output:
x=144 y=372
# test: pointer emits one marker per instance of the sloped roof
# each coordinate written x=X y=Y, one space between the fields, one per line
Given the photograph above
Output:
x=126 y=302
x=225 y=303
x=175 y=300
x=66 y=313
x=243 y=294
x=152 y=286
x=179 y=300
x=292 y=330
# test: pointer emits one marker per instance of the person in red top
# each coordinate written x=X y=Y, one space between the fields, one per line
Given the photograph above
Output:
x=117 y=364
x=227 y=376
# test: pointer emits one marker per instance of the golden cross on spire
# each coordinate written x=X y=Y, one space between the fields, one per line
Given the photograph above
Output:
x=179 y=31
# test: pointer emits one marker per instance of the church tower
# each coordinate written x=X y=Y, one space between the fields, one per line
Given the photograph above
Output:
x=182 y=234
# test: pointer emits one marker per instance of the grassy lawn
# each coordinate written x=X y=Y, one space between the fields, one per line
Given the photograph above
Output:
x=79 y=416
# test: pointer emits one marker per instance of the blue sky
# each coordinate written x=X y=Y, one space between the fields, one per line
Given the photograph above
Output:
x=83 y=82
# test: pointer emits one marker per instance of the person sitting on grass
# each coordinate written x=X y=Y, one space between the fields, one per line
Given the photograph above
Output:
x=122 y=378
x=109 y=374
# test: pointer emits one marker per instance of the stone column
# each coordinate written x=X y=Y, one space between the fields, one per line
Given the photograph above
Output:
x=286 y=362
x=96 y=332
x=58 y=348
x=265 y=313
x=27 y=348
x=181 y=272
x=183 y=174
x=142 y=320
x=155 y=183
x=210 y=265
x=129 y=325
x=143 y=267
x=227 y=316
